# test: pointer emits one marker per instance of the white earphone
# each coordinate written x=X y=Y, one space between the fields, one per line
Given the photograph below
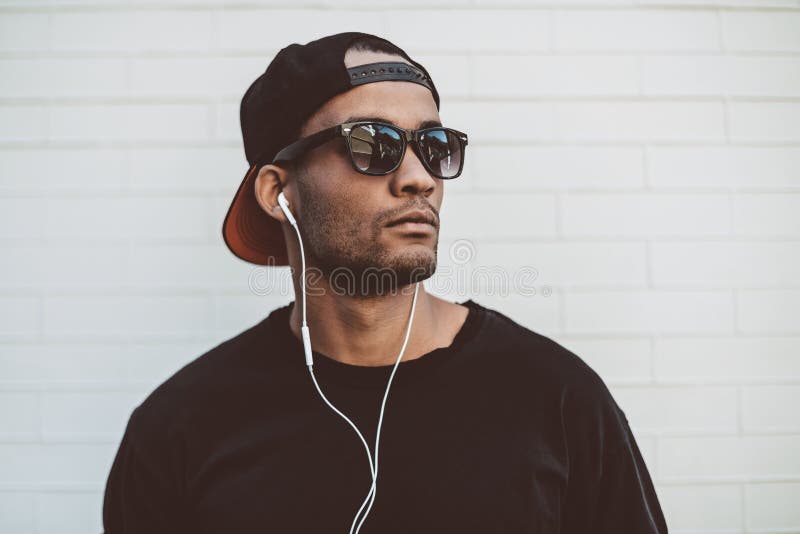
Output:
x=284 y=204
x=285 y=208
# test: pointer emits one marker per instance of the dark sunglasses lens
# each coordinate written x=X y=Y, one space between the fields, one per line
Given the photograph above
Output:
x=375 y=148
x=442 y=151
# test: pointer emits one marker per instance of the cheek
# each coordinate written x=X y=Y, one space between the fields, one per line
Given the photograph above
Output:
x=352 y=201
x=337 y=202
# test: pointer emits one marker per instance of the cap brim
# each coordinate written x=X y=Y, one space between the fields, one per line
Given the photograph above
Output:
x=249 y=232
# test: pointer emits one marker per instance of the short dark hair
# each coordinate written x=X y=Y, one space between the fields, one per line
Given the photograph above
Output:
x=373 y=44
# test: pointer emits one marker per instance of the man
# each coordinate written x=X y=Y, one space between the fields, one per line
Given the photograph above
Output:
x=489 y=427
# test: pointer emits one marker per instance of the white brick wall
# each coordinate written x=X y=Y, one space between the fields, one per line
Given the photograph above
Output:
x=642 y=155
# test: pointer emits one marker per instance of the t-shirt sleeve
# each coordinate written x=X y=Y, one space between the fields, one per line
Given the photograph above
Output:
x=142 y=494
x=626 y=498
x=609 y=486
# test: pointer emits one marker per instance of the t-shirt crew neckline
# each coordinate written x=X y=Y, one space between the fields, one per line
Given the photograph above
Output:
x=369 y=377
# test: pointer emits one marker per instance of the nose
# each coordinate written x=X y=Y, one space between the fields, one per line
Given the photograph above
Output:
x=412 y=178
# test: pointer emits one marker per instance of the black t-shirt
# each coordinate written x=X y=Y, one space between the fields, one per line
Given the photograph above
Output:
x=503 y=431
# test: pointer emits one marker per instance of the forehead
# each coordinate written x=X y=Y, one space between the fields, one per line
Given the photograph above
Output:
x=406 y=104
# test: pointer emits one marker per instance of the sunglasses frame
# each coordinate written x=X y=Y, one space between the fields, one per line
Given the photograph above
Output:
x=345 y=130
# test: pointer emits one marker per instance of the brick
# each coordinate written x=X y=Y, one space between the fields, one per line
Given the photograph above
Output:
x=123 y=31
x=751 y=3
x=702 y=508
x=73 y=77
x=23 y=123
x=148 y=364
x=720 y=166
x=728 y=457
x=527 y=30
x=764 y=121
x=20 y=316
x=460 y=266
x=771 y=408
x=227 y=126
x=19 y=415
x=616 y=360
x=535 y=76
x=136 y=122
x=24 y=32
x=645 y=30
x=730 y=359
x=133 y=315
x=725 y=264
x=36 y=266
x=18 y=511
x=187 y=170
x=710 y=75
x=21 y=219
x=169 y=266
x=679 y=409
x=70 y=511
x=535 y=167
x=768 y=311
x=78 y=217
x=629 y=121
x=511 y=215
x=637 y=312
x=86 y=415
x=144 y=217
x=773 y=506
x=243 y=29
x=197 y=77
x=645 y=214
x=563 y=263
x=53 y=170
x=546 y=3
x=269 y=282
x=766 y=31
x=62 y=363
x=766 y=214
x=62 y=463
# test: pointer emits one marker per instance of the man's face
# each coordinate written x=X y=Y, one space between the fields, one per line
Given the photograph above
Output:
x=343 y=214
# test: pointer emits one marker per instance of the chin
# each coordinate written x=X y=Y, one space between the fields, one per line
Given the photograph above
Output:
x=386 y=272
x=414 y=264
x=379 y=268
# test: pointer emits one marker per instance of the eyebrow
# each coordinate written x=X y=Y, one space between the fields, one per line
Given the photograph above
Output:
x=423 y=124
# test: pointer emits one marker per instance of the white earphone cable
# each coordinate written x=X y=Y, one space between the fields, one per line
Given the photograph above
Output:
x=310 y=363
x=373 y=490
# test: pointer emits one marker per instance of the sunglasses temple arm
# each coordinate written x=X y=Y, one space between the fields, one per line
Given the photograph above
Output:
x=305 y=144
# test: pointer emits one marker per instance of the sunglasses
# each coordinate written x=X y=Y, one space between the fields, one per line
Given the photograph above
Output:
x=377 y=148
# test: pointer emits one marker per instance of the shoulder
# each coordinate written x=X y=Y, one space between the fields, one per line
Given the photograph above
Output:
x=525 y=350
x=206 y=379
x=544 y=369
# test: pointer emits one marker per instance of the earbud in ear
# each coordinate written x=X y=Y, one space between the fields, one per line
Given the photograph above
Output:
x=284 y=204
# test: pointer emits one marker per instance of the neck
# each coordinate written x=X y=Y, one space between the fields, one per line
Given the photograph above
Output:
x=367 y=331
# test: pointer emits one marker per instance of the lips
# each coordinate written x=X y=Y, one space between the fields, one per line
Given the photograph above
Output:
x=416 y=216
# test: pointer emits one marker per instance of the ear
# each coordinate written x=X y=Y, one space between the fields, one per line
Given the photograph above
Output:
x=270 y=181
